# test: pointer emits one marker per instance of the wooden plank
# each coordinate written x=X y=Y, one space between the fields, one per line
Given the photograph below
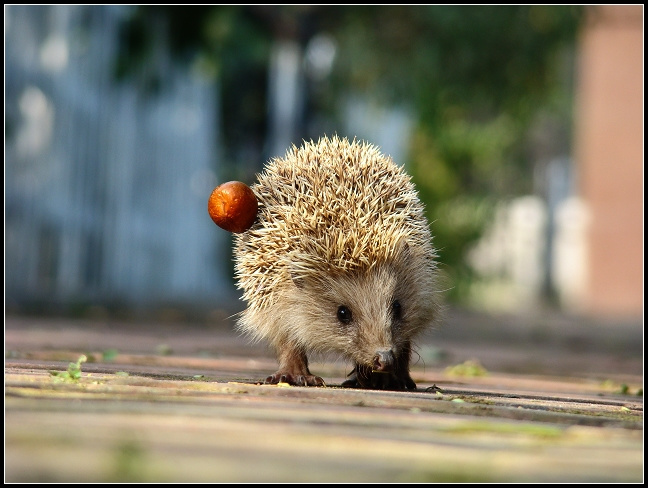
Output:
x=190 y=418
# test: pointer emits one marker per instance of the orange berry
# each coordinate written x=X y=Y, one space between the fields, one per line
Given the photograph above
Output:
x=233 y=206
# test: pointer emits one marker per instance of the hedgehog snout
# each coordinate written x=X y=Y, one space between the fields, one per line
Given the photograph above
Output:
x=383 y=361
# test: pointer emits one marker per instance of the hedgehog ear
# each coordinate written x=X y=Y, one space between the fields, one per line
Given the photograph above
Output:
x=403 y=250
x=302 y=281
x=297 y=280
x=293 y=272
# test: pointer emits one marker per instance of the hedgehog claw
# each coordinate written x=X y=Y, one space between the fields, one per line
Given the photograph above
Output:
x=294 y=379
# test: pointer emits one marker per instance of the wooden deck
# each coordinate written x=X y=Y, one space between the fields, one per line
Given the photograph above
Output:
x=176 y=402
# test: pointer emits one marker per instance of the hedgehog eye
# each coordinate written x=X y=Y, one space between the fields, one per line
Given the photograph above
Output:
x=397 y=310
x=344 y=314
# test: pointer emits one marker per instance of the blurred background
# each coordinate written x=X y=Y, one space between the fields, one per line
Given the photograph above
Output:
x=521 y=125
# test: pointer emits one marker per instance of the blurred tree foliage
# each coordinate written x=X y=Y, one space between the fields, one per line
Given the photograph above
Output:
x=476 y=79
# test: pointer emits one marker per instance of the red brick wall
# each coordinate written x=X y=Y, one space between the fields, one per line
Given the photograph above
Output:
x=609 y=157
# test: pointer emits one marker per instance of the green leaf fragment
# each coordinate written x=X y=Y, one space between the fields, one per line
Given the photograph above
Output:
x=109 y=354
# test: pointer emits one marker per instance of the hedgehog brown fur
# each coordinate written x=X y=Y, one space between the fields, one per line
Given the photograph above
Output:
x=340 y=259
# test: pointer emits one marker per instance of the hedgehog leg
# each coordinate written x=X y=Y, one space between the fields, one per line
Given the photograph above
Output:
x=401 y=378
x=293 y=369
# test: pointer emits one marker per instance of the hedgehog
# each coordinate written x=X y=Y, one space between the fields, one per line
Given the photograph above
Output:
x=339 y=260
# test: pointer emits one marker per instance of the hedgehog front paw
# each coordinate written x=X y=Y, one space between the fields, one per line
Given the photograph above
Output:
x=294 y=379
x=364 y=377
x=352 y=381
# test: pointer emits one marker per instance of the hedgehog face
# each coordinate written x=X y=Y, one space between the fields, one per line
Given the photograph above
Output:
x=365 y=314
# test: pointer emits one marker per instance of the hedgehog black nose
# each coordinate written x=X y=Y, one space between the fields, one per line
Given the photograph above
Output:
x=383 y=360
